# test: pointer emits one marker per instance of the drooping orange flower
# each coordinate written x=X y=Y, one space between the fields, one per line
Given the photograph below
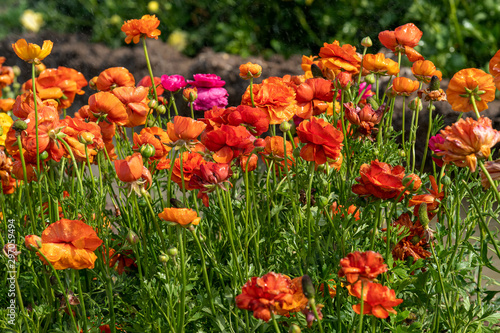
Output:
x=209 y=177
x=424 y=70
x=378 y=300
x=264 y=294
x=467 y=140
x=250 y=70
x=403 y=86
x=379 y=64
x=135 y=101
x=299 y=301
x=181 y=216
x=145 y=27
x=340 y=58
x=70 y=244
x=366 y=118
x=112 y=78
x=274 y=97
x=383 y=181
x=184 y=128
x=362 y=266
x=432 y=199
x=156 y=137
x=470 y=83
x=403 y=40
x=9 y=186
x=248 y=163
x=412 y=245
x=130 y=169
x=17 y=170
x=313 y=97
x=105 y=104
x=32 y=53
x=228 y=142
x=323 y=141
x=494 y=67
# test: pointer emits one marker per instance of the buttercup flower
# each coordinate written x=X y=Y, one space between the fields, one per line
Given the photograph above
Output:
x=112 y=78
x=404 y=86
x=145 y=27
x=32 y=53
x=173 y=82
x=379 y=64
x=366 y=118
x=228 y=142
x=378 y=300
x=181 y=216
x=263 y=295
x=250 y=70
x=470 y=83
x=130 y=169
x=156 y=137
x=362 y=266
x=184 y=128
x=323 y=141
x=403 y=39
x=313 y=97
x=135 y=101
x=70 y=244
x=106 y=104
x=466 y=141
x=337 y=58
x=382 y=181
x=424 y=70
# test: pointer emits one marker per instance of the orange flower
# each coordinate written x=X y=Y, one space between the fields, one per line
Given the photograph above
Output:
x=323 y=141
x=470 y=83
x=156 y=137
x=135 y=101
x=24 y=105
x=112 y=78
x=413 y=244
x=378 y=300
x=32 y=53
x=382 y=181
x=181 y=216
x=249 y=71
x=466 y=141
x=33 y=242
x=6 y=75
x=254 y=119
x=362 y=266
x=404 y=86
x=105 y=104
x=7 y=104
x=130 y=169
x=336 y=209
x=228 y=142
x=263 y=294
x=433 y=199
x=379 y=64
x=191 y=162
x=313 y=97
x=209 y=177
x=337 y=58
x=424 y=70
x=184 y=128
x=145 y=27
x=403 y=40
x=494 y=68
x=5 y=166
x=299 y=301
x=274 y=97
x=248 y=163
x=70 y=244
x=306 y=65
x=9 y=186
x=74 y=129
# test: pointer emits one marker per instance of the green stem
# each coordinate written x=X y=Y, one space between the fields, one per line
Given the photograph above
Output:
x=180 y=318
x=251 y=92
x=426 y=148
x=150 y=75
x=275 y=323
x=448 y=308
x=360 y=327
x=28 y=195
x=312 y=304
x=490 y=180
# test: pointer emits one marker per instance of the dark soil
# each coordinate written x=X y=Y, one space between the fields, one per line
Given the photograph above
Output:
x=76 y=51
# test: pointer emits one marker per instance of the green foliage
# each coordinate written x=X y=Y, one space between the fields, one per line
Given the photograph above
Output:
x=457 y=33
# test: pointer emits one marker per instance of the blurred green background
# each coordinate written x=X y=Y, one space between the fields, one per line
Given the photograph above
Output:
x=457 y=33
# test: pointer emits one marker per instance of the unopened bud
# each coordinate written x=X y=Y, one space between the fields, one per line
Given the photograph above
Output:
x=86 y=138
x=147 y=150
x=163 y=258
x=16 y=70
x=294 y=329
x=370 y=78
x=307 y=287
x=161 y=109
x=446 y=181
x=322 y=201
x=373 y=103
x=416 y=105
x=285 y=126
x=434 y=84
x=153 y=104
x=423 y=217
x=33 y=242
x=296 y=152
x=172 y=251
x=132 y=238
x=190 y=94
x=44 y=155
x=20 y=125
x=402 y=153
x=366 y=42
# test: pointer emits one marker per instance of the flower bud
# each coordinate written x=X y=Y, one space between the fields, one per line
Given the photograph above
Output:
x=153 y=104
x=147 y=150
x=366 y=42
x=33 y=242
x=307 y=287
x=250 y=70
x=16 y=70
x=370 y=79
x=296 y=152
x=190 y=94
x=161 y=109
x=285 y=126
x=373 y=103
x=163 y=258
x=172 y=252
x=402 y=153
x=132 y=238
x=446 y=181
x=44 y=155
x=20 y=125
x=86 y=138
x=434 y=84
x=416 y=105
x=322 y=201
x=294 y=329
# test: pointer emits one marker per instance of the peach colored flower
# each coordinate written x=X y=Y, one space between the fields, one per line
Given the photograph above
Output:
x=145 y=27
x=403 y=86
x=181 y=216
x=379 y=64
x=470 y=83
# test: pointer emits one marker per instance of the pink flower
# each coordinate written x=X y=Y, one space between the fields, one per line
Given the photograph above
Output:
x=173 y=82
x=210 y=97
x=432 y=146
x=207 y=81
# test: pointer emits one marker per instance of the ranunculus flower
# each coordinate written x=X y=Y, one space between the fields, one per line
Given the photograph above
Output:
x=250 y=70
x=493 y=168
x=378 y=300
x=184 y=128
x=32 y=53
x=432 y=146
x=156 y=137
x=432 y=199
x=362 y=266
x=107 y=104
x=74 y=128
x=382 y=181
x=299 y=301
x=404 y=86
x=379 y=64
x=130 y=169
x=413 y=244
x=210 y=97
x=254 y=119
x=70 y=244
x=263 y=294
x=206 y=81
x=366 y=118
x=340 y=58
x=145 y=27
x=209 y=177
x=403 y=40
x=146 y=82
x=112 y=78
x=424 y=70
x=228 y=142
x=323 y=141
x=494 y=67
x=313 y=97
x=181 y=216
x=467 y=140
x=173 y=82
x=135 y=101
x=470 y=83
x=191 y=163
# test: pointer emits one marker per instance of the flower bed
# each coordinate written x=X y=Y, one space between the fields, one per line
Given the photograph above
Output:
x=295 y=210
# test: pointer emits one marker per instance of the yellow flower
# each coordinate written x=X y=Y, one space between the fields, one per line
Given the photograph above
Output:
x=5 y=124
x=32 y=53
x=31 y=20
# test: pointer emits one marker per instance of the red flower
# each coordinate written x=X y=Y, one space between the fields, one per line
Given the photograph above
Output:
x=362 y=266
x=191 y=163
x=366 y=118
x=323 y=141
x=433 y=199
x=254 y=119
x=378 y=300
x=263 y=294
x=382 y=181
x=313 y=97
x=403 y=40
x=228 y=142
x=209 y=177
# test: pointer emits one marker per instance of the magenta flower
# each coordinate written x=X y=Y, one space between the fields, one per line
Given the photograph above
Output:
x=432 y=146
x=210 y=97
x=206 y=81
x=173 y=82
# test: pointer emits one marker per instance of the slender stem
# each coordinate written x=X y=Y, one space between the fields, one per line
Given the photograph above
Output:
x=251 y=92
x=360 y=327
x=75 y=165
x=275 y=323
x=150 y=75
x=180 y=318
x=474 y=106
x=490 y=180
x=426 y=148
x=30 y=207
x=82 y=301
x=312 y=304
